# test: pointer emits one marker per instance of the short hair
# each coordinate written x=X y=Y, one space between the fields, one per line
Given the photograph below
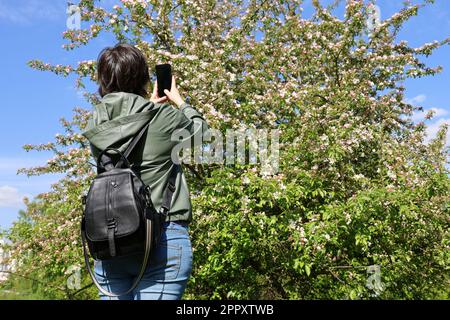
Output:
x=122 y=68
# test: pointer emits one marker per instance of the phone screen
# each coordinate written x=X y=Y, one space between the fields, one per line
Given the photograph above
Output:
x=163 y=78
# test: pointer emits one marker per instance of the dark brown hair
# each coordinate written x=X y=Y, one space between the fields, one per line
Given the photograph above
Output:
x=122 y=68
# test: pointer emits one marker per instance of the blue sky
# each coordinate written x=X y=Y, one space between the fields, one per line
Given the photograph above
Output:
x=34 y=101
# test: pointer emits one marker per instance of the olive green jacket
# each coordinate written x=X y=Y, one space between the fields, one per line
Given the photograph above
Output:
x=120 y=115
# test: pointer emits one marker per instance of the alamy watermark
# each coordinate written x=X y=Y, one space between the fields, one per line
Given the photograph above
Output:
x=233 y=150
x=374 y=18
x=73 y=21
x=73 y=281
x=374 y=280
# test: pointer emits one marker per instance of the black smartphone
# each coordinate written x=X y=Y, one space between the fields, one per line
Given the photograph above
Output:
x=163 y=78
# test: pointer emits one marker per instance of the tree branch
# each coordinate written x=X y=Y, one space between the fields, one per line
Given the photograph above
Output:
x=195 y=172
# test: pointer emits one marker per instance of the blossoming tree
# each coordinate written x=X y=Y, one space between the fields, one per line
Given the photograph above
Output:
x=357 y=186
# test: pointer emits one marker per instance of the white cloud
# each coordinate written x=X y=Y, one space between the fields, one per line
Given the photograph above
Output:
x=418 y=115
x=10 y=197
x=433 y=128
x=438 y=112
x=30 y=185
x=417 y=99
x=438 y=117
x=27 y=11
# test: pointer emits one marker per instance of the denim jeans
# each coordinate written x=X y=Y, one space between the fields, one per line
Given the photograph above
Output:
x=167 y=273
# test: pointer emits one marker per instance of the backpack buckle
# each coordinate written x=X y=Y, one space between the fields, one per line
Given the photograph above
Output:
x=163 y=211
x=171 y=187
x=112 y=223
x=148 y=199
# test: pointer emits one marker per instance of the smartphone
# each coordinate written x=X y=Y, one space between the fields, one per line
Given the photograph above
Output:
x=163 y=78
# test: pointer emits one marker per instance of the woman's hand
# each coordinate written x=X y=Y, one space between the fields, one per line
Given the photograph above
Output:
x=173 y=94
x=155 y=98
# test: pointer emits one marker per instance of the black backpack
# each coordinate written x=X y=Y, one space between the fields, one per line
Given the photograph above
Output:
x=119 y=217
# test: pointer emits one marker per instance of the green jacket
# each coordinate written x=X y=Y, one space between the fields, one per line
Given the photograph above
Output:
x=120 y=115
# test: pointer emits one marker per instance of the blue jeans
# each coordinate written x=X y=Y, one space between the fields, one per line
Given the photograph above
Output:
x=167 y=273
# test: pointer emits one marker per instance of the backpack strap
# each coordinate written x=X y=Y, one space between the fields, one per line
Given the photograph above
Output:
x=106 y=162
x=170 y=189
x=132 y=144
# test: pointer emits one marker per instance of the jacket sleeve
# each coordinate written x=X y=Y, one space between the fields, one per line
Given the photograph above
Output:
x=94 y=152
x=191 y=125
x=90 y=124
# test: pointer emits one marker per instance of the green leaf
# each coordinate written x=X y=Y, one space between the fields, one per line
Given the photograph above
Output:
x=353 y=294
x=307 y=270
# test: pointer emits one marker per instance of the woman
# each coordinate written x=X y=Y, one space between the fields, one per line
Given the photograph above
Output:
x=123 y=76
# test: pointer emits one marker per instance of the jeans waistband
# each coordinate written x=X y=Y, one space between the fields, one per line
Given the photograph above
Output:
x=180 y=222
